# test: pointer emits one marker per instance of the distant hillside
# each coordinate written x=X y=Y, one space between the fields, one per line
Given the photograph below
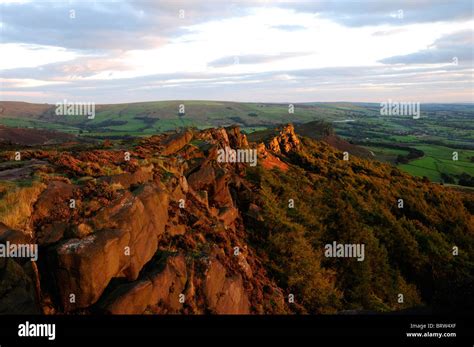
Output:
x=31 y=137
x=17 y=109
x=152 y=117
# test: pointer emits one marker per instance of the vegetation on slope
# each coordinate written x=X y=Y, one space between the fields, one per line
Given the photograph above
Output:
x=408 y=250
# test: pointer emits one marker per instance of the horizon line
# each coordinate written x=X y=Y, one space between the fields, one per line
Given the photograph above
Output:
x=251 y=102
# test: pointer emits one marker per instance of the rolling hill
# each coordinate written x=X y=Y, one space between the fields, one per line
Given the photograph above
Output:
x=441 y=130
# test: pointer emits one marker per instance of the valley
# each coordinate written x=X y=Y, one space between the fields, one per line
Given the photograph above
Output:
x=441 y=129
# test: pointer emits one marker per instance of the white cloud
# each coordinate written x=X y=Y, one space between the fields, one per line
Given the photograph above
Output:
x=24 y=55
x=273 y=48
x=26 y=82
x=325 y=44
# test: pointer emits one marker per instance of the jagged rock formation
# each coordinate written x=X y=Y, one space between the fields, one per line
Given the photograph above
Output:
x=166 y=224
x=171 y=230
x=285 y=141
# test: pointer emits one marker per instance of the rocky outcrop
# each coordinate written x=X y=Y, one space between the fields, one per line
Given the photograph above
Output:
x=268 y=160
x=154 y=234
x=285 y=140
x=159 y=291
x=236 y=138
x=173 y=230
x=202 y=179
x=175 y=142
x=225 y=294
x=127 y=179
x=126 y=238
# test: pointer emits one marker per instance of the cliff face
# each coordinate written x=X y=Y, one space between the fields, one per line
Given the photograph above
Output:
x=161 y=225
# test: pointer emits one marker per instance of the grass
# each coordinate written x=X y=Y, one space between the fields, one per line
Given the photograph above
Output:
x=423 y=167
x=16 y=203
x=38 y=124
x=439 y=159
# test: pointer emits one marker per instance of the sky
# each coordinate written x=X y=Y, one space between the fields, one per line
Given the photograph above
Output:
x=255 y=51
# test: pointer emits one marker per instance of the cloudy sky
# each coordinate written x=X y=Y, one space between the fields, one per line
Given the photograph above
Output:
x=270 y=51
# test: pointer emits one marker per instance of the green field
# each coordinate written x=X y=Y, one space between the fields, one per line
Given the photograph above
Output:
x=441 y=130
x=156 y=117
x=439 y=160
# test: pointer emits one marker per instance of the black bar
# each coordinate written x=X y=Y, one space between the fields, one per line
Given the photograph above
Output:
x=382 y=328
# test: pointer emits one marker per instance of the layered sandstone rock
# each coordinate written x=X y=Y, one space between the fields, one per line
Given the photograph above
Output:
x=236 y=138
x=268 y=160
x=51 y=211
x=202 y=179
x=159 y=289
x=285 y=140
x=130 y=246
x=126 y=238
x=225 y=294
x=176 y=142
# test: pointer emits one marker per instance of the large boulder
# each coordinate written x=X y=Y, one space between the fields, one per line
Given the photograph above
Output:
x=17 y=277
x=126 y=238
x=159 y=289
x=85 y=266
x=54 y=199
x=203 y=179
x=176 y=142
x=51 y=212
x=225 y=294
x=17 y=288
x=13 y=236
